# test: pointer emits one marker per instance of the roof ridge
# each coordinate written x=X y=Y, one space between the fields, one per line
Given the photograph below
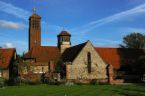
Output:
x=48 y=46
x=74 y=51
x=7 y=48
x=79 y=45
x=117 y=48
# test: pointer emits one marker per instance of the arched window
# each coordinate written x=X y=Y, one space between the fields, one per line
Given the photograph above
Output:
x=89 y=62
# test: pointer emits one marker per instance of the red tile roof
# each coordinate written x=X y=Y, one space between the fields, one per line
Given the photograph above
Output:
x=6 y=56
x=114 y=56
x=43 y=54
x=110 y=56
x=117 y=56
x=64 y=33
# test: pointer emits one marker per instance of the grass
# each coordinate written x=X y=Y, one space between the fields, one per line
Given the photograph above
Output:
x=76 y=90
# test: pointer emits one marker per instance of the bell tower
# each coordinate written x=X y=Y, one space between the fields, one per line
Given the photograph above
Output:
x=63 y=40
x=34 y=30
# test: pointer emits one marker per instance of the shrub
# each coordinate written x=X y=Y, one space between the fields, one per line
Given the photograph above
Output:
x=99 y=82
x=93 y=82
x=31 y=82
x=14 y=81
x=50 y=81
x=2 y=82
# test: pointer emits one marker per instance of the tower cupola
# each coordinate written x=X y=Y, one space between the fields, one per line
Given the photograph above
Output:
x=64 y=40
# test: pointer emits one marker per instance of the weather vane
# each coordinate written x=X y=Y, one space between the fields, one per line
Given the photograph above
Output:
x=34 y=9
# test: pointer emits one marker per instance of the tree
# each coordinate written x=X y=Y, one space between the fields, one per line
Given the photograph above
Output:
x=134 y=40
x=140 y=66
x=137 y=41
x=22 y=65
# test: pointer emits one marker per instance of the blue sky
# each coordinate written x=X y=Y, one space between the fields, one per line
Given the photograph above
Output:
x=103 y=22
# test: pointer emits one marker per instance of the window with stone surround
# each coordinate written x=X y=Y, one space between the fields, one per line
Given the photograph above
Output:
x=89 y=62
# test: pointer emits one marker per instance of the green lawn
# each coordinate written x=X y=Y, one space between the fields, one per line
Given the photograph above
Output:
x=76 y=90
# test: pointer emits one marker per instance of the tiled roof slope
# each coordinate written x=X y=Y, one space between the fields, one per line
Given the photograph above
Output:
x=114 y=56
x=43 y=54
x=71 y=53
x=6 y=55
x=118 y=56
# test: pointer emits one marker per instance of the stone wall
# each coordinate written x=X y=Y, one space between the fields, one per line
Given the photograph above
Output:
x=79 y=67
x=64 y=46
x=39 y=69
x=5 y=74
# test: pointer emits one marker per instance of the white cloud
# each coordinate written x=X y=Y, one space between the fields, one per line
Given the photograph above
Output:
x=21 y=13
x=8 y=45
x=134 y=11
x=11 y=25
x=13 y=10
x=106 y=43
x=125 y=14
x=21 y=46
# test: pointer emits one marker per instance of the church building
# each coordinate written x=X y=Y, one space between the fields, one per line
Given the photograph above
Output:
x=80 y=62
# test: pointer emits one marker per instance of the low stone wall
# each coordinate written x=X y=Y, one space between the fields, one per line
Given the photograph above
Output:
x=117 y=81
x=31 y=77
x=38 y=77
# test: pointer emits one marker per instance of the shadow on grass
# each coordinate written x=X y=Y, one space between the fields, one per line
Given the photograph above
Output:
x=140 y=84
x=130 y=91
